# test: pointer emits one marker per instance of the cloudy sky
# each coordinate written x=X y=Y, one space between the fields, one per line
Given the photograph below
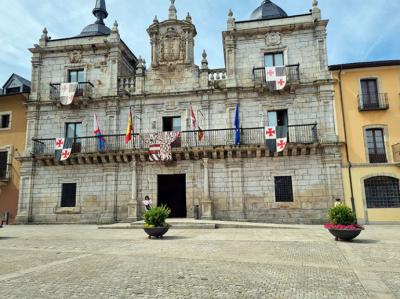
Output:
x=359 y=30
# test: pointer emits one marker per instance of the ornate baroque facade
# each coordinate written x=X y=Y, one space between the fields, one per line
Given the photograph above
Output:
x=245 y=182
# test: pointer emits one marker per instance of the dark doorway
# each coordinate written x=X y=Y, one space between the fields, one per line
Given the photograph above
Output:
x=172 y=192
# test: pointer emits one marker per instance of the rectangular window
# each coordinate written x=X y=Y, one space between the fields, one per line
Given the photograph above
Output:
x=3 y=164
x=376 y=146
x=74 y=131
x=278 y=118
x=68 y=195
x=274 y=59
x=76 y=76
x=171 y=124
x=369 y=93
x=5 y=121
x=13 y=90
x=283 y=189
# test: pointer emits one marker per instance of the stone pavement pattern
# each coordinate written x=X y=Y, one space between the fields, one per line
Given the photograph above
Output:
x=296 y=262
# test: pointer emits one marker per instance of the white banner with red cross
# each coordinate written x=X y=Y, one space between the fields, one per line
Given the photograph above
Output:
x=276 y=138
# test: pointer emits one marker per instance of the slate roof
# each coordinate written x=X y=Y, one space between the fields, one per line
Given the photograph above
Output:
x=268 y=11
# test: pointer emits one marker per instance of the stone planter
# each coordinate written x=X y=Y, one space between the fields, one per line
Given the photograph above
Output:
x=345 y=234
x=156 y=232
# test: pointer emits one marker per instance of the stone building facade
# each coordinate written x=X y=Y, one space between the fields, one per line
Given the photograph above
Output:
x=226 y=181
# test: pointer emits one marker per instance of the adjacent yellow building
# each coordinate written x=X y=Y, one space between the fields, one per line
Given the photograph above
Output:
x=13 y=99
x=368 y=123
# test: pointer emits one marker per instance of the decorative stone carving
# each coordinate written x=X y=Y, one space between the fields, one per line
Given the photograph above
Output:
x=75 y=57
x=171 y=47
x=273 y=39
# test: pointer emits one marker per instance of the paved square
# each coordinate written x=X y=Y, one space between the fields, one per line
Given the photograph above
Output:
x=298 y=262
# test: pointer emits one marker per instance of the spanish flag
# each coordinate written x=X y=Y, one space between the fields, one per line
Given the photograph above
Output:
x=129 y=128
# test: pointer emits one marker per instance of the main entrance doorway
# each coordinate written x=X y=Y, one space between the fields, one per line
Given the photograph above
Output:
x=172 y=192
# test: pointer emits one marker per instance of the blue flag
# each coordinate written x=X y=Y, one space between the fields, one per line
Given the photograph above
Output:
x=237 y=126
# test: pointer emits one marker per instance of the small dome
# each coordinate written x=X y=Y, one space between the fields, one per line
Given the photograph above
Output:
x=95 y=29
x=98 y=28
x=267 y=11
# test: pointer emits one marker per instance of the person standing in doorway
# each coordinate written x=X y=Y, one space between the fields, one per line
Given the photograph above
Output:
x=147 y=202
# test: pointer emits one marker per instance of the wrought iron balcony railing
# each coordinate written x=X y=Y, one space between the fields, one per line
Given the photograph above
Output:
x=373 y=101
x=297 y=134
x=292 y=74
x=84 y=89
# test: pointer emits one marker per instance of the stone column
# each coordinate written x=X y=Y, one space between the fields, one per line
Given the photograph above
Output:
x=206 y=204
x=133 y=204
x=154 y=52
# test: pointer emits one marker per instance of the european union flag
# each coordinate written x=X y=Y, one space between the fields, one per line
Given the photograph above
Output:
x=237 y=126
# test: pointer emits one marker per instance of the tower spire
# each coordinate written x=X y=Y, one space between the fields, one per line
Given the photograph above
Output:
x=172 y=11
x=100 y=11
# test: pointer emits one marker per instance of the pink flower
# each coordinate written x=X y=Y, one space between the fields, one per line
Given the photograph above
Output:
x=343 y=227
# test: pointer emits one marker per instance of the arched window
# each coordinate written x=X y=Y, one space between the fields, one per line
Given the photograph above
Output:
x=382 y=192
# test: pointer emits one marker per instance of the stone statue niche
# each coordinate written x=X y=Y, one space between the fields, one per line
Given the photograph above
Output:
x=172 y=43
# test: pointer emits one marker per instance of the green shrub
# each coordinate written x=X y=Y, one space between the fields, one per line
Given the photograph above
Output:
x=155 y=217
x=342 y=214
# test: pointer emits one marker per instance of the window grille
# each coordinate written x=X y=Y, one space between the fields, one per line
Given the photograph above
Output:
x=382 y=192
x=68 y=195
x=283 y=189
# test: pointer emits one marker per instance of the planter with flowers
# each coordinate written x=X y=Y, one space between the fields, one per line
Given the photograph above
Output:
x=343 y=223
x=154 y=221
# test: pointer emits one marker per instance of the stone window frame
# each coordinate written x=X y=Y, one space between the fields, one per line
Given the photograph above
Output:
x=10 y=150
x=272 y=50
x=363 y=193
x=77 y=66
x=10 y=122
x=386 y=142
x=70 y=210
x=379 y=85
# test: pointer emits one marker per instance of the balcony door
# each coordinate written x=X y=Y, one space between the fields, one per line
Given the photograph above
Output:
x=173 y=124
x=376 y=146
x=369 y=93
x=278 y=118
x=74 y=131
x=77 y=76
x=274 y=59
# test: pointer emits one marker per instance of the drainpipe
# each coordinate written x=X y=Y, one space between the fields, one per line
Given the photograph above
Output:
x=345 y=142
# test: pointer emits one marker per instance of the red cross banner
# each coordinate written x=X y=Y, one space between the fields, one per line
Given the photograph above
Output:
x=275 y=77
x=63 y=148
x=276 y=138
x=67 y=93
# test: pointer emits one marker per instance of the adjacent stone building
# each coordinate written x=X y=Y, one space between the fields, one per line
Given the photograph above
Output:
x=226 y=181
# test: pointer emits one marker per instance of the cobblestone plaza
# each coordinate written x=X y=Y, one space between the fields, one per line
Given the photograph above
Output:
x=275 y=262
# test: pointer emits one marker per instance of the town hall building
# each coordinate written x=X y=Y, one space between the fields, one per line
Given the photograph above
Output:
x=210 y=123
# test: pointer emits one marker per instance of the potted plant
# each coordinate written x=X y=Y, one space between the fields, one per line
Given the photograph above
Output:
x=343 y=223
x=154 y=221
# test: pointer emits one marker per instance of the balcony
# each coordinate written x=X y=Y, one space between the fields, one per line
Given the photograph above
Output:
x=126 y=85
x=218 y=143
x=292 y=75
x=84 y=92
x=373 y=101
x=396 y=153
x=217 y=78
